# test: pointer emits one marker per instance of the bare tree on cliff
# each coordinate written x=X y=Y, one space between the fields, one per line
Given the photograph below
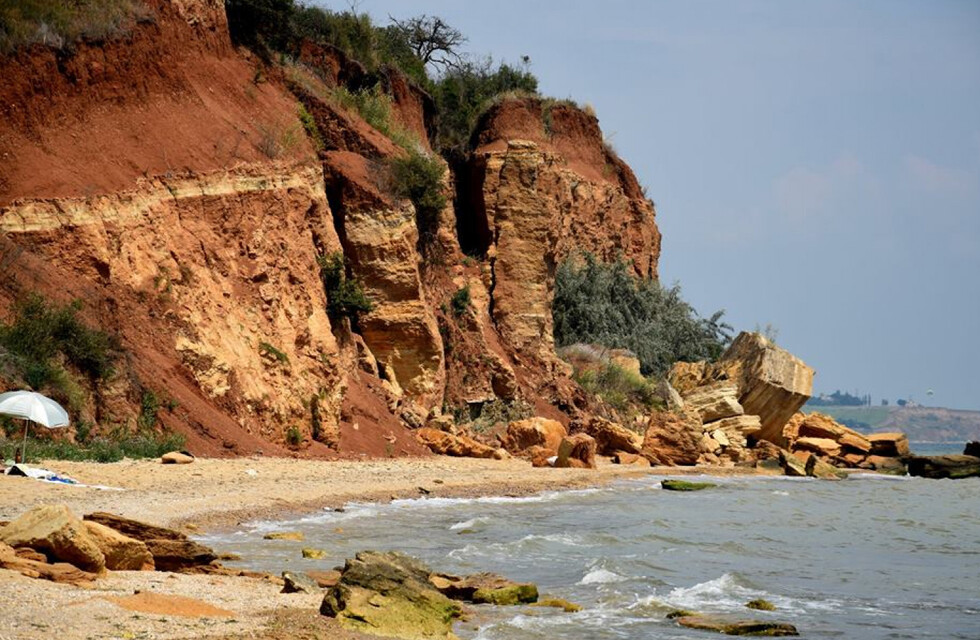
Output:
x=432 y=40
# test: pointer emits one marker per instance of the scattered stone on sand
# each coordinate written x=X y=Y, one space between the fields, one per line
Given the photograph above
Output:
x=949 y=466
x=285 y=535
x=621 y=457
x=314 y=554
x=176 y=457
x=298 y=582
x=684 y=485
x=389 y=594
x=55 y=531
x=734 y=627
x=324 y=579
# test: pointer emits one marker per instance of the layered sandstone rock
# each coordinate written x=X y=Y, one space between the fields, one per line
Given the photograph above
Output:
x=578 y=451
x=59 y=534
x=773 y=383
x=448 y=444
x=610 y=437
x=523 y=435
x=714 y=401
x=543 y=186
x=889 y=444
x=673 y=438
x=121 y=552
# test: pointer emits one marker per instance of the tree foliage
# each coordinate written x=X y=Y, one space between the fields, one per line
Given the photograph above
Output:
x=464 y=92
x=431 y=40
x=607 y=304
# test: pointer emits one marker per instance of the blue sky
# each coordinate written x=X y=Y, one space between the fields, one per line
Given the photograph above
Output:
x=816 y=165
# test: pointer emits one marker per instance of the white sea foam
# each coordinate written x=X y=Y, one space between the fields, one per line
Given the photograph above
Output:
x=599 y=575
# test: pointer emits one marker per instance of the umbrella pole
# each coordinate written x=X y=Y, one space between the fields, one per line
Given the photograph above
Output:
x=23 y=449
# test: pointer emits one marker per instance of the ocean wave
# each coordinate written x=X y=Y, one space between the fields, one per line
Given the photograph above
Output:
x=600 y=575
x=470 y=526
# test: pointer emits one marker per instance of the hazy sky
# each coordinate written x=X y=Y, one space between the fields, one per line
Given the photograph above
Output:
x=815 y=165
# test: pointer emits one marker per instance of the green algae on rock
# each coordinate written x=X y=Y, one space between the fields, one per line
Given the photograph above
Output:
x=389 y=594
x=733 y=627
x=684 y=485
x=760 y=604
x=558 y=603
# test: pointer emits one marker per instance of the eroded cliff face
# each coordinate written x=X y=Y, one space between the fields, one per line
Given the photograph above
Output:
x=182 y=201
x=541 y=186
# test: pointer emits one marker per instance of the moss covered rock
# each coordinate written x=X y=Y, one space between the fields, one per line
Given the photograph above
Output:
x=684 y=485
x=389 y=594
x=760 y=604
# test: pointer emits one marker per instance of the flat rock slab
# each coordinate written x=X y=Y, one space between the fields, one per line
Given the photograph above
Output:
x=738 y=627
x=684 y=485
x=952 y=466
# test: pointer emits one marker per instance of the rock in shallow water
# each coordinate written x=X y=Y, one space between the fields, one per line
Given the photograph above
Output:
x=389 y=594
x=737 y=627
x=684 y=485
x=951 y=466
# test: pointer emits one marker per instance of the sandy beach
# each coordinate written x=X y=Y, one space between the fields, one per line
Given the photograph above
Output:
x=213 y=494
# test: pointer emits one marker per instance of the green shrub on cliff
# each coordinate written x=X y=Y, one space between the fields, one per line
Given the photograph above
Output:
x=419 y=177
x=41 y=337
x=607 y=304
x=345 y=297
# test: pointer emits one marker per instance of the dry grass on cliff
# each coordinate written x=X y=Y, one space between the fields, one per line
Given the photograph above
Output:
x=57 y=23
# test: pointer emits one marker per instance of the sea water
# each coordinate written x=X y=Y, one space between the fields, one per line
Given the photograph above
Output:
x=869 y=557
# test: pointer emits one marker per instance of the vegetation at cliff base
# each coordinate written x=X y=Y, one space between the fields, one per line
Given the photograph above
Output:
x=609 y=305
x=56 y=23
x=43 y=344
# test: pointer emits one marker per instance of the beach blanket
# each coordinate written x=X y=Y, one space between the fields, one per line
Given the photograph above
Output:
x=45 y=475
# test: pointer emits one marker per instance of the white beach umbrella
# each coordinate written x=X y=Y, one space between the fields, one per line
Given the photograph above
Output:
x=33 y=407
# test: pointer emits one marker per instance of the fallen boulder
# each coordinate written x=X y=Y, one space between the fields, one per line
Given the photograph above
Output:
x=972 y=448
x=817 y=468
x=610 y=437
x=37 y=567
x=389 y=594
x=773 y=383
x=821 y=446
x=577 y=451
x=533 y=432
x=57 y=533
x=714 y=401
x=447 y=444
x=673 y=438
x=121 y=552
x=621 y=457
x=792 y=466
x=950 y=466
x=889 y=445
x=179 y=555
x=887 y=464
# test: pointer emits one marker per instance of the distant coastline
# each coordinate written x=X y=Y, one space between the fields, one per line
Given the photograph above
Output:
x=920 y=424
